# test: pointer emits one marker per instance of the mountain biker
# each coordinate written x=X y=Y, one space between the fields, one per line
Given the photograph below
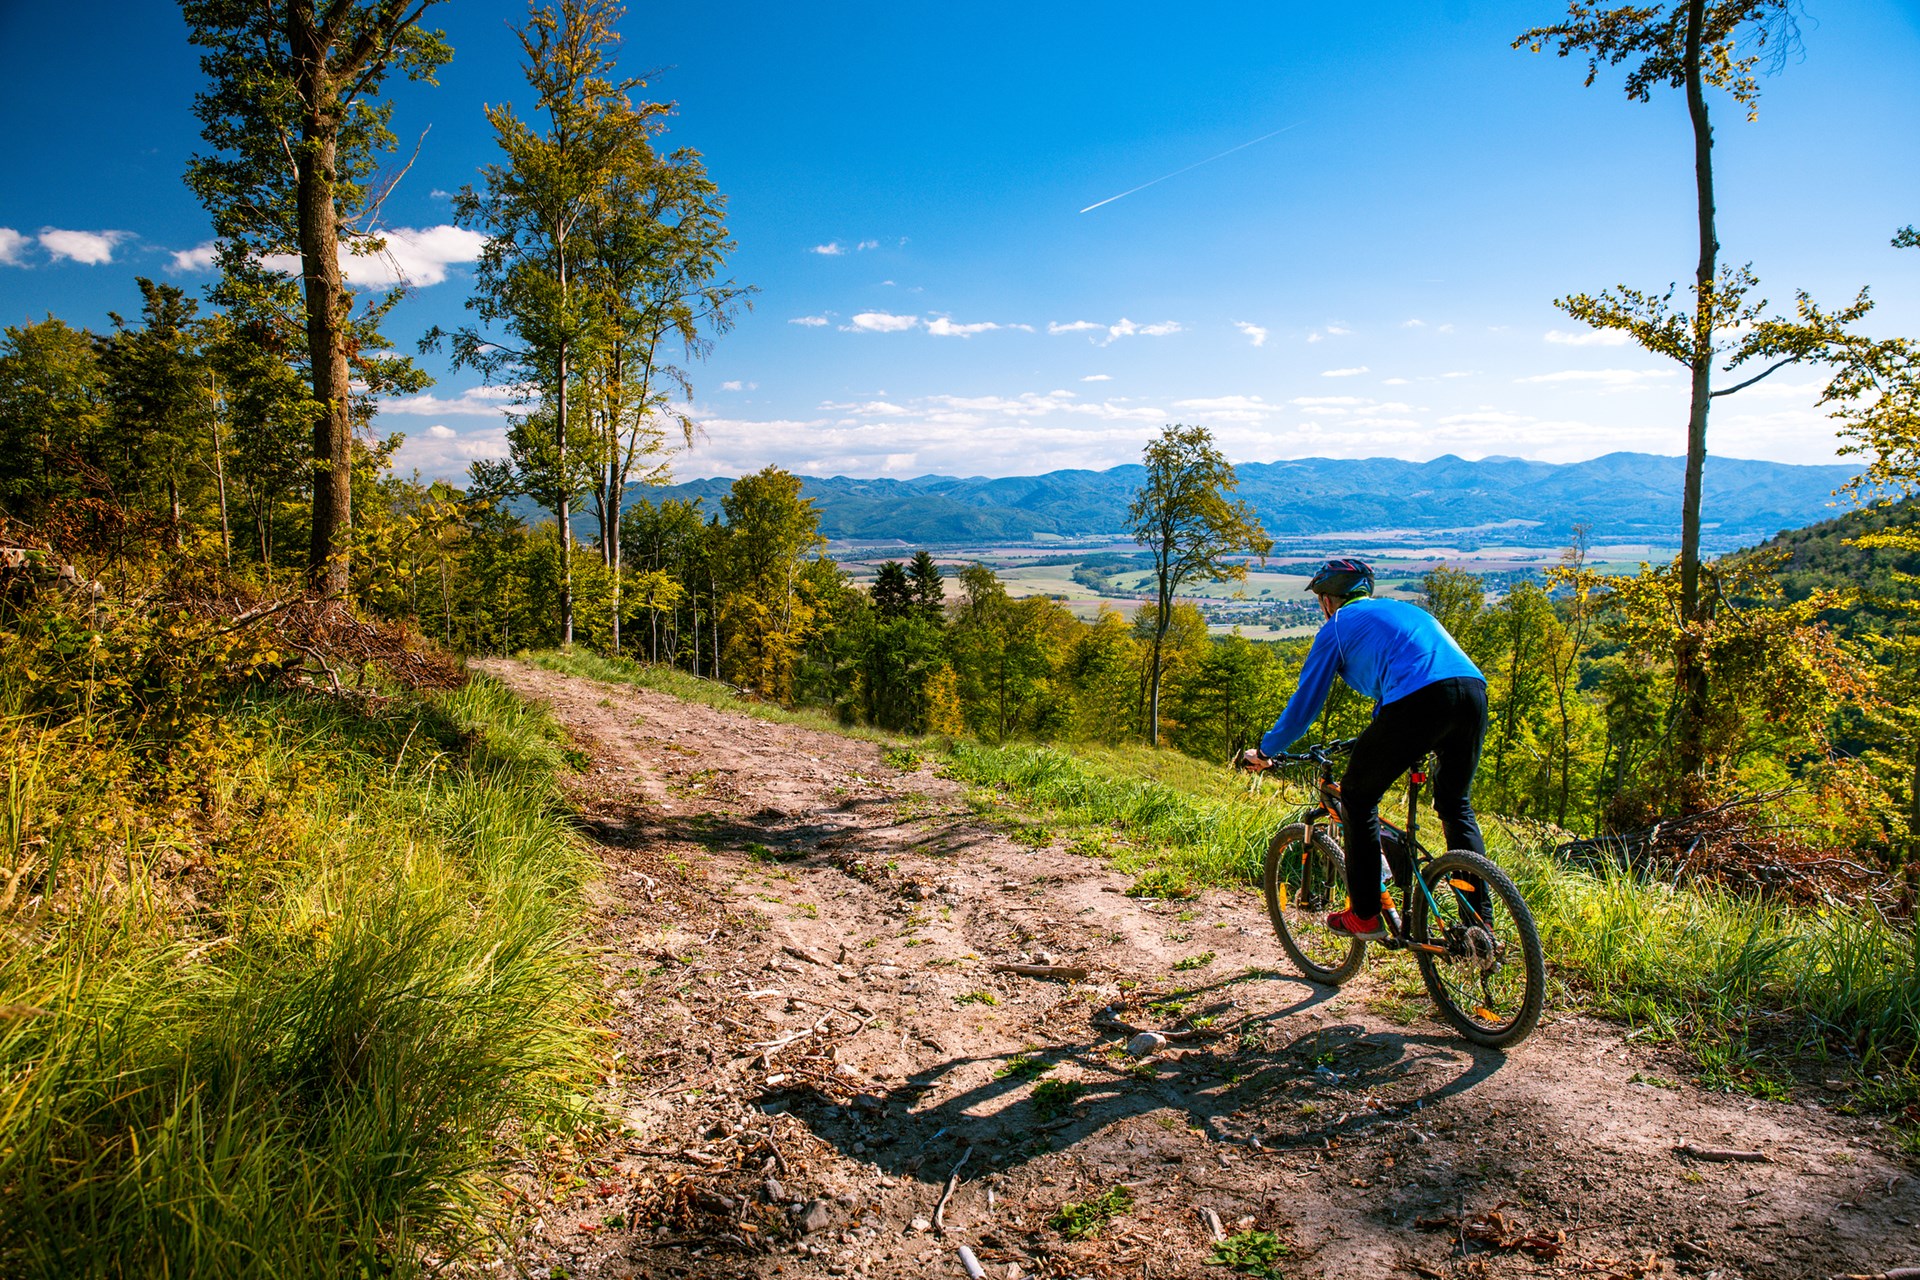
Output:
x=1429 y=696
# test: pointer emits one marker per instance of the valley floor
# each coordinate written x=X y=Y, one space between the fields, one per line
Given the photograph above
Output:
x=797 y=947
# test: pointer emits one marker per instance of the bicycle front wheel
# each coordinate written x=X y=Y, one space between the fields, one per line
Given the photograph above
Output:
x=1306 y=880
x=1490 y=981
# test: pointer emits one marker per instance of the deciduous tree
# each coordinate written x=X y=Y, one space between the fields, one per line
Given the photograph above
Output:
x=297 y=132
x=1182 y=516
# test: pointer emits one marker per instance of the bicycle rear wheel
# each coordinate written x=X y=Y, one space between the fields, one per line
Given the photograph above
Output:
x=1306 y=880
x=1491 y=982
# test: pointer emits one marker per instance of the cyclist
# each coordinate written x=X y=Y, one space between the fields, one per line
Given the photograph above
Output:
x=1429 y=696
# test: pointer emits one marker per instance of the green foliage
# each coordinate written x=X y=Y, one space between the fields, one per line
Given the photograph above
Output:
x=279 y=968
x=1251 y=1252
x=1055 y=1099
x=1084 y=1219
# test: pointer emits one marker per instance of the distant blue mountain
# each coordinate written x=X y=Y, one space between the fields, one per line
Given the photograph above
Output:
x=1624 y=497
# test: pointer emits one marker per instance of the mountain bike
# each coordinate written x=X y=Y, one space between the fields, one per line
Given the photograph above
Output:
x=1464 y=921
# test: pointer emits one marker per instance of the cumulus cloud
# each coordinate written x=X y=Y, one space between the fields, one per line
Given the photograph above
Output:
x=1073 y=326
x=11 y=243
x=1607 y=379
x=881 y=322
x=811 y=322
x=1337 y=329
x=94 y=248
x=198 y=258
x=1589 y=338
x=1256 y=334
x=1243 y=409
x=1124 y=328
x=1415 y=323
x=945 y=328
x=495 y=400
x=1098 y=377
x=441 y=431
x=831 y=249
x=1344 y=373
x=864 y=245
x=416 y=256
x=441 y=451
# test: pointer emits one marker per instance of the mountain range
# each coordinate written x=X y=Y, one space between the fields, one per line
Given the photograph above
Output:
x=1623 y=497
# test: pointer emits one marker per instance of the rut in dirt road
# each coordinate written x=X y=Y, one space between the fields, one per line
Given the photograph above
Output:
x=820 y=1071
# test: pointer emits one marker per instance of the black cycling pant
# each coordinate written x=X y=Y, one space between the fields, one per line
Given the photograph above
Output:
x=1449 y=718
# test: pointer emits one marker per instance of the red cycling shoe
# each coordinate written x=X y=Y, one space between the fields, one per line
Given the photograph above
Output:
x=1366 y=930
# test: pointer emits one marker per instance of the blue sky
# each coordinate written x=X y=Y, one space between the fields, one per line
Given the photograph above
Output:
x=905 y=185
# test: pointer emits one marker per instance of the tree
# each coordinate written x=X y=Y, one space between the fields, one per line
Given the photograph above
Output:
x=771 y=531
x=658 y=244
x=891 y=593
x=50 y=408
x=1686 y=44
x=531 y=283
x=296 y=136
x=929 y=586
x=153 y=378
x=1182 y=517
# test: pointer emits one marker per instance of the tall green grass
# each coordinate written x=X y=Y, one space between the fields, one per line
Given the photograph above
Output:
x=1699 y=960
x=275 y=1013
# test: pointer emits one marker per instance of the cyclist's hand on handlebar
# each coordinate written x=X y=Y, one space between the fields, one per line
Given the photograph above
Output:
x=1252 y=761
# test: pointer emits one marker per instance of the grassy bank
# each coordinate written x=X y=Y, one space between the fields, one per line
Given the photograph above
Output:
x=279 y=973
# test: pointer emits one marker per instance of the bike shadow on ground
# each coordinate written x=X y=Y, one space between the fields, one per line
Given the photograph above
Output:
x=1275 y=1080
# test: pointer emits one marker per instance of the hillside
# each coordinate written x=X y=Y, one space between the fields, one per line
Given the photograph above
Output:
x=1820 y=556
x=1625 y=497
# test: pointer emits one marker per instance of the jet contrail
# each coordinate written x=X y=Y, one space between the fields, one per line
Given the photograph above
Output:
x=1195 y=165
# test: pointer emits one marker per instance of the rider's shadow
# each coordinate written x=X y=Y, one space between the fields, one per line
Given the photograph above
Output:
x=1321 y=1084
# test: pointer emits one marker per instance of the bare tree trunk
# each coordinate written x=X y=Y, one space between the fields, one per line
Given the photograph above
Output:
x=1690 y=671
x=219 y=468
x=330 y=550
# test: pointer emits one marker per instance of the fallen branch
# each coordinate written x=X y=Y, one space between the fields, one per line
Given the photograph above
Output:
x=953 y=1180
x=1065 y=972
x=1720 y=1153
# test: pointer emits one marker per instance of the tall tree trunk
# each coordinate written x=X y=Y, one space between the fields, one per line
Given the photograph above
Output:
x=220 y=470
x=330 y=550
x=1690 y=671
x=565 y=504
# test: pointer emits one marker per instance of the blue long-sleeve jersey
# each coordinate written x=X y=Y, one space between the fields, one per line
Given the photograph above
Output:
x=1384 y=649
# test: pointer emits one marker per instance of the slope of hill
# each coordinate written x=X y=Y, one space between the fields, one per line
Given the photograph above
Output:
x=1623 y=496
x=1820 y=556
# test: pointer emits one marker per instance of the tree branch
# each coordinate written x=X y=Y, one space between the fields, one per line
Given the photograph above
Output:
x=1774 y=368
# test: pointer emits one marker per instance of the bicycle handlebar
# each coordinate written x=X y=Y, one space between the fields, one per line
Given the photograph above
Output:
x=1318 y=753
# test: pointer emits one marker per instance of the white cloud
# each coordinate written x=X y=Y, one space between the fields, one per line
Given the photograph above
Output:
x=881 y=322
x=1589 y=338
x=1609 y=379
x=1318 y=402
x=94 y=248
x=417 y=256
x=945 y=328
x=831 y=249
x=1244 y=409
x=867 y=244
x=1445 y=328
x=1124 y=329
x=1256 y=334
x=811 y=322
x=444 y=452
x=1458 y=373
x=198 y=258
x=1127 y=329
x=1337 y=329
x=1393 y=382
x=730 y=386
x=1098 y=377
x=492 y=401
x=1343 y=373
x=1415 y=323
x=11 y=243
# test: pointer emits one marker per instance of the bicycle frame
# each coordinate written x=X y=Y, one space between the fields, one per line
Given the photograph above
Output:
x=1334 y=807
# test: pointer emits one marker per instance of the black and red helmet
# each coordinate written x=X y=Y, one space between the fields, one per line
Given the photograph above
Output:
x=1343 y=579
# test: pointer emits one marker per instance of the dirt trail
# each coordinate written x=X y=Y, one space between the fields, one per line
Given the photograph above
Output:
x=798 y=939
